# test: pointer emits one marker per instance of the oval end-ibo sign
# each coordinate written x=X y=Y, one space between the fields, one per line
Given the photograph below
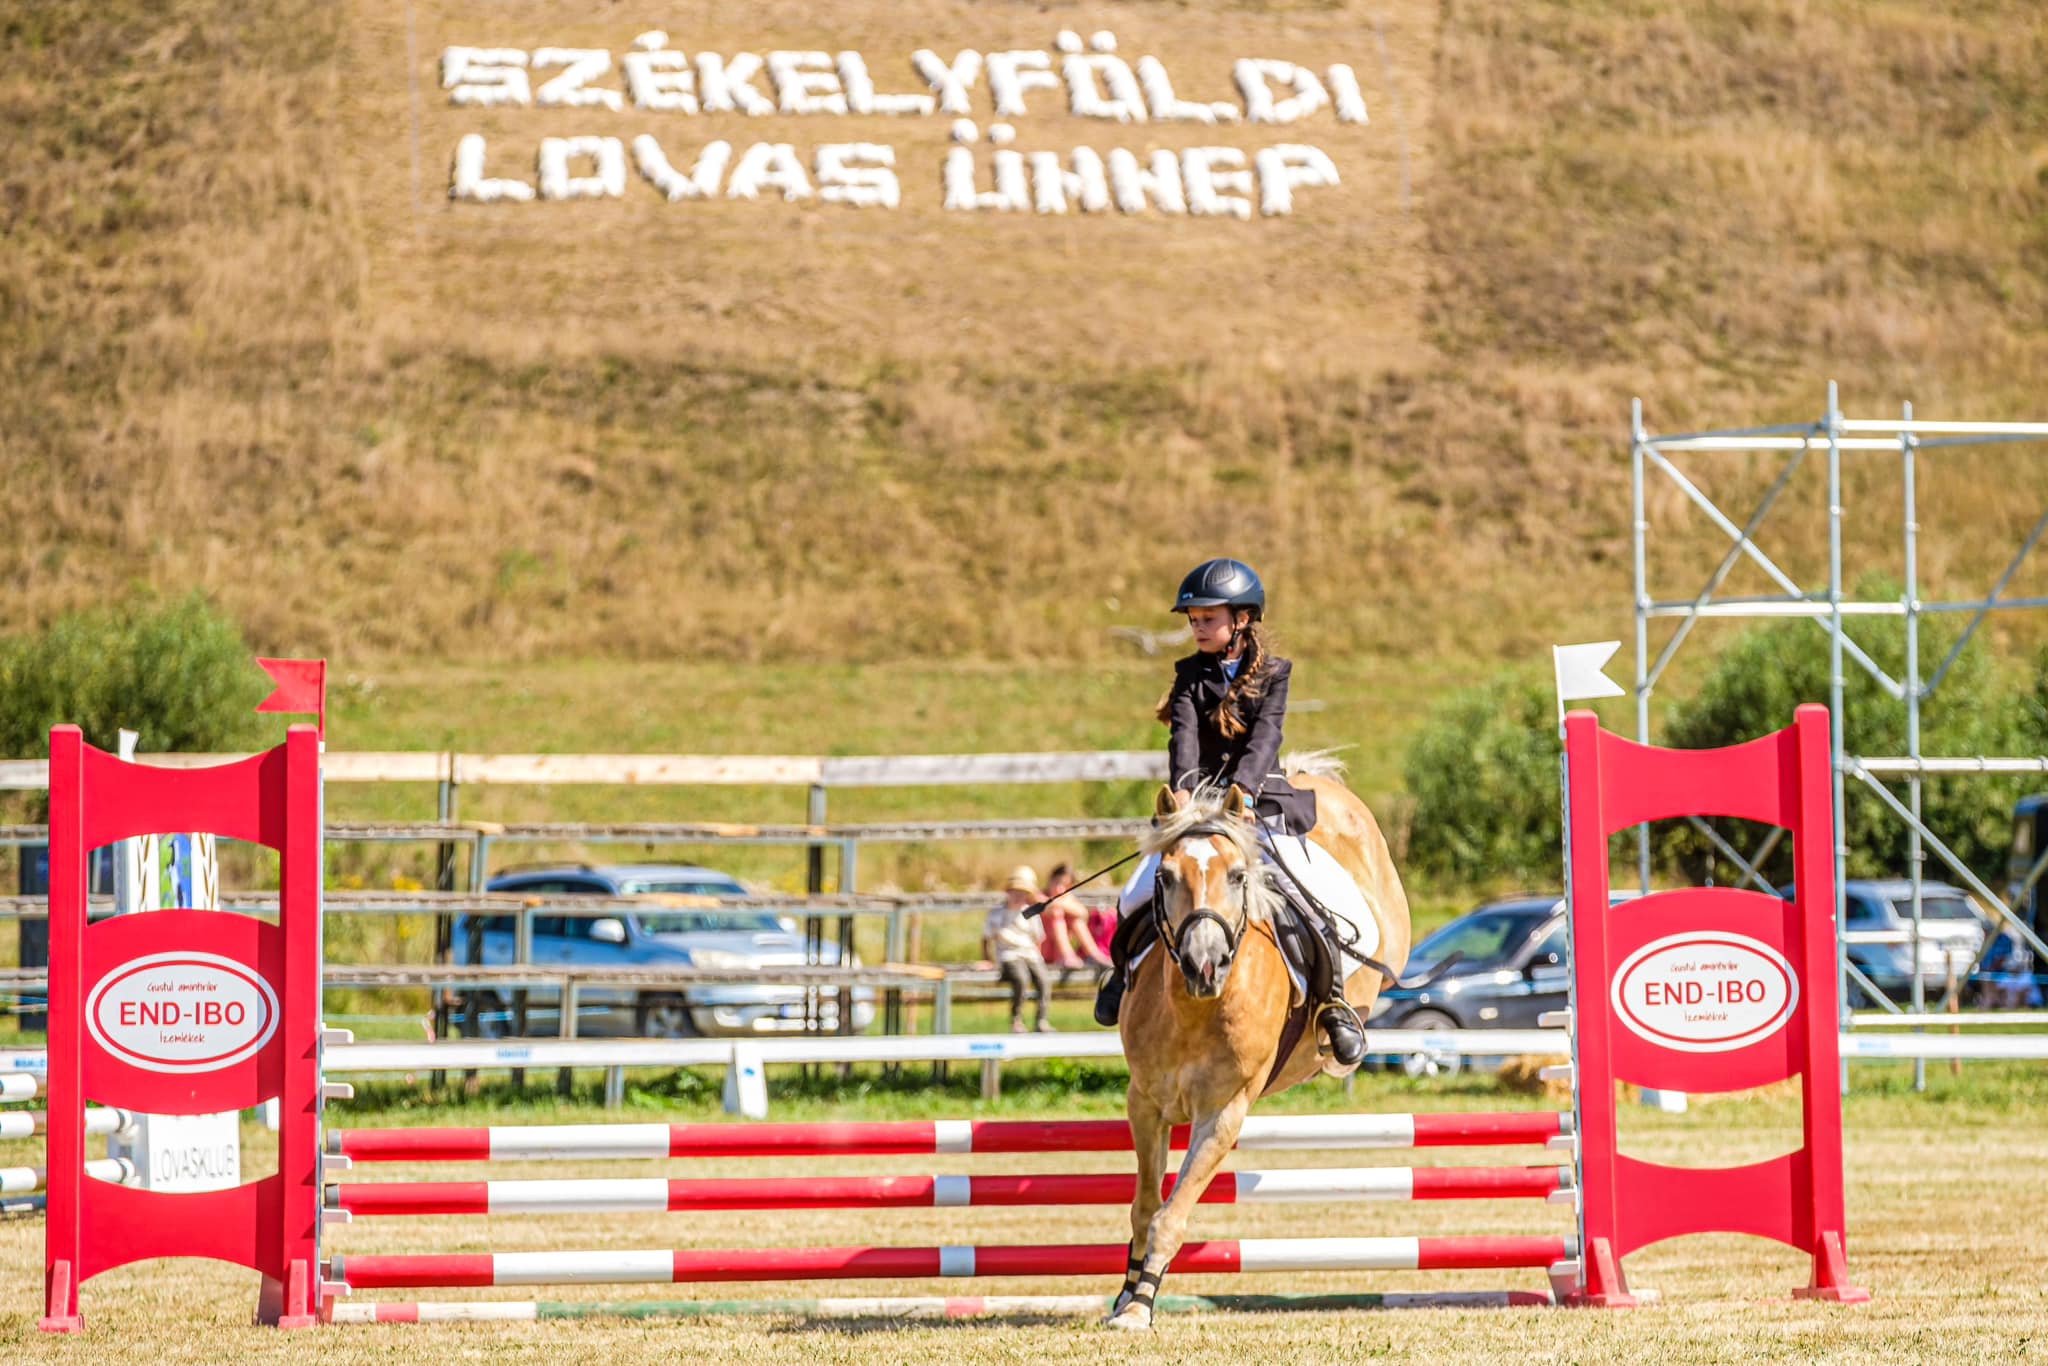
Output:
x=1705 y=992
x=181 y=1012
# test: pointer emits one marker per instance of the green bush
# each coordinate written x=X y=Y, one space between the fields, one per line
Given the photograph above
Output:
x=177 y=672
x=2034 y=714
x=1483 y=772
x=1766 y=672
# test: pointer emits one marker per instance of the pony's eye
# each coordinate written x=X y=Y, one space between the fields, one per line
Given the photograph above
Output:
x=1237 y=875
x=1166 y=874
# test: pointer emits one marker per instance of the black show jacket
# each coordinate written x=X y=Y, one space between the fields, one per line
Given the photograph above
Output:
x=1200 y=751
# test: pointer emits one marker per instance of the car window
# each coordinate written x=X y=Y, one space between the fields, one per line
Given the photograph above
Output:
x=564 y=926
x=1551 y=948
x=710 y=922
x=1936 y=908
x=1482 y=937
x=699 y=922
x=1863 y=913
x=683 y=887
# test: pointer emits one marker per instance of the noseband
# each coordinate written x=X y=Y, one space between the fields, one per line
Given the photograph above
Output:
x=1233 y=935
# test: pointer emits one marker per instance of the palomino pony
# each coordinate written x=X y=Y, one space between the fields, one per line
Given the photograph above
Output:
x=1203 y=1018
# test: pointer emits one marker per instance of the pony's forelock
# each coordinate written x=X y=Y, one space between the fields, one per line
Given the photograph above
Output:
x=1204 y=811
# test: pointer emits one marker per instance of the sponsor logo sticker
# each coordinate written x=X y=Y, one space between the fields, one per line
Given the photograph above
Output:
x=182 y=1011
x=1707 y=991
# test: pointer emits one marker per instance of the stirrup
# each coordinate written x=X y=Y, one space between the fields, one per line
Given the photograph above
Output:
x=1346 y=1031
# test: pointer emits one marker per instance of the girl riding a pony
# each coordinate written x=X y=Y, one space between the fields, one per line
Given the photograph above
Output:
x=1226 y=710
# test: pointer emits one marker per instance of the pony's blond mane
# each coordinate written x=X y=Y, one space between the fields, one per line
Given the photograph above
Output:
x=1315 y=763
x=1204 y=811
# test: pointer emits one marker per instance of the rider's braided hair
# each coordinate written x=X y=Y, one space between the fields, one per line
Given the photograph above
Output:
x=1248 y=686
x=1250 y=683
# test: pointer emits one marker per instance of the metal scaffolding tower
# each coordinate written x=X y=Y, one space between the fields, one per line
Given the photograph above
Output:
x=1829 y=607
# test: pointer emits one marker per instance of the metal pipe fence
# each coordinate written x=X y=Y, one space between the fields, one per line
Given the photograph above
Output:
x=1832 y=607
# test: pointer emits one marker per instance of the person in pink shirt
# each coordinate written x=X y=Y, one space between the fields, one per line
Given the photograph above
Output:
x=1070 y=936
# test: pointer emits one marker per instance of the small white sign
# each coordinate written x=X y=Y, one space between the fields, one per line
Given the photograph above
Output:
x=188 y=1152
x=181 y=1012
x=1708 y=991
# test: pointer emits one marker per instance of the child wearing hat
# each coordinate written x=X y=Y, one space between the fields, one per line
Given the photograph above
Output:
x=1013 y=942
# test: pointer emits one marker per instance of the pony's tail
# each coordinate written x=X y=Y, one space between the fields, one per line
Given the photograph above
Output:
x=1314 y=763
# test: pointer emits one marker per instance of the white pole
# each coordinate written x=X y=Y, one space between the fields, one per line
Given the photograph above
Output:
x=173 y=1152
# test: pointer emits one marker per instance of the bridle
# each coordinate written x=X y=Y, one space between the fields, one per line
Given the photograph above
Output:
x=1233 y=935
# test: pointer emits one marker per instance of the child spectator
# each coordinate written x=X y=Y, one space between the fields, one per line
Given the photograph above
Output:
x=1013 y=942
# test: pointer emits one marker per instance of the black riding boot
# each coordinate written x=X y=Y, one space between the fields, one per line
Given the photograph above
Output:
x=1133 y=933
x=1109 y=998
x=1347 y=1040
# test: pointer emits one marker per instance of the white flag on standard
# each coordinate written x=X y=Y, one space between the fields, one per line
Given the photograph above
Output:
x=1580 y=673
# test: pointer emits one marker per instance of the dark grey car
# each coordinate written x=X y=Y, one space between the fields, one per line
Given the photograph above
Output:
x=1512 y=967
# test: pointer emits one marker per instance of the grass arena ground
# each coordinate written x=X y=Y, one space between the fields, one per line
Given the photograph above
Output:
x=1946 y=1193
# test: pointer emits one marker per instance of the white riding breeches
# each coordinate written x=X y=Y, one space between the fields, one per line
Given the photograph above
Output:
x=1138 y=887
x=1313 y=866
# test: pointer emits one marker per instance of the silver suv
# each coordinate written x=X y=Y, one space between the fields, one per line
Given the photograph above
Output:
x=658 y=937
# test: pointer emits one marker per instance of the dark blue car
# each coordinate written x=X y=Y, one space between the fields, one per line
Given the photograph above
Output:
x=1512 y=967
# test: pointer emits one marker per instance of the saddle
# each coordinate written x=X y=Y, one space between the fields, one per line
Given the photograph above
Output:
x=1308 y=945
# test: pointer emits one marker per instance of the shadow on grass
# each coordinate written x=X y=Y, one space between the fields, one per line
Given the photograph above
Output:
x=793 y=1317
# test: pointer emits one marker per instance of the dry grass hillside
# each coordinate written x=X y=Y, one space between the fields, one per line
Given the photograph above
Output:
x=247 y=342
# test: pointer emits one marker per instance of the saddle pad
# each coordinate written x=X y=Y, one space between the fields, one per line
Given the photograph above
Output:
x=1327 y=880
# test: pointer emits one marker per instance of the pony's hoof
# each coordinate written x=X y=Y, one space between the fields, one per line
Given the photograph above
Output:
x=1132 y=1318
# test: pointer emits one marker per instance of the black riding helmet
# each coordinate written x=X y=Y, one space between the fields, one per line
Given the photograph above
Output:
x=1222 y=583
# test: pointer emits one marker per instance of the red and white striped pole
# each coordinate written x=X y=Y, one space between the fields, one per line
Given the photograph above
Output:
x=378 y=1272
x=913 y=1306
x=1261 y=1132
x=656 y=1195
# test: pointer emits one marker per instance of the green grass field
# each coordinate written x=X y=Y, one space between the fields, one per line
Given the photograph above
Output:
x=1943 y=1193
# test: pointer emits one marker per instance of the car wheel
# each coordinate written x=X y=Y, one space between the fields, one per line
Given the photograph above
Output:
x=1431 y=1064
x=664 y=1017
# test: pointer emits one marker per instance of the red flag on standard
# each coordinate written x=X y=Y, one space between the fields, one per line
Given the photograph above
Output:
x=301 y=687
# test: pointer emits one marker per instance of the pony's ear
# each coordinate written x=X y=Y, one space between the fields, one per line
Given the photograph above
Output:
x=1168 y=802
x=1235 y=806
